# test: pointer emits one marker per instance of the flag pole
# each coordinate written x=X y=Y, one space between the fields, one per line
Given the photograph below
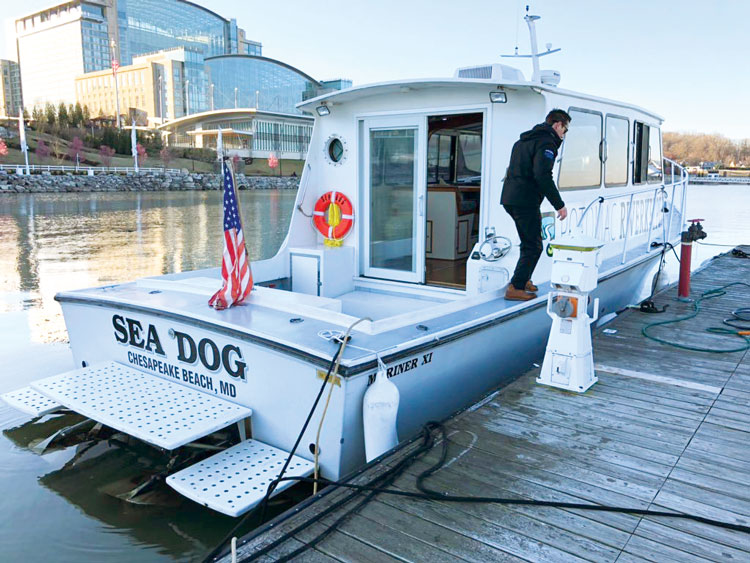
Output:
x=134 y=146
x=22 y=139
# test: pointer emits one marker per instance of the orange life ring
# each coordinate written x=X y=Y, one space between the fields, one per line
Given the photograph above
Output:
x=333 y=215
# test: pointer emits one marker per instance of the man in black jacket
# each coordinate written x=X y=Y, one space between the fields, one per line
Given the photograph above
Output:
x=527 y=182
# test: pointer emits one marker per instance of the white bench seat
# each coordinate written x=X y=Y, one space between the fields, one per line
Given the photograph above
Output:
x=152 y=409
x=236 y=479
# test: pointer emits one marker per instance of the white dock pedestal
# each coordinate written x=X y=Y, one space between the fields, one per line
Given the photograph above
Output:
x=157 y=411
x=235 y=480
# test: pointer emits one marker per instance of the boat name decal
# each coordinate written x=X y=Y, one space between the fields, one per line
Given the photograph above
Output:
x=398 y=369
x=130 y=332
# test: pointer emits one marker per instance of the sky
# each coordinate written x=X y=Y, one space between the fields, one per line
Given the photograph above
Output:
x=685 y=60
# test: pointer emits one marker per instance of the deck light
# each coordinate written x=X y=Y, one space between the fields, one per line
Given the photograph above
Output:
x=323 y=110
x=498 y=97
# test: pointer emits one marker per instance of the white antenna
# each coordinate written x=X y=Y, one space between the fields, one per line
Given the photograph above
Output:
x=535 y=54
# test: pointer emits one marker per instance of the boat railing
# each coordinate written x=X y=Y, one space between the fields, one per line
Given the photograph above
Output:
x=87 y=170
x=678 y=178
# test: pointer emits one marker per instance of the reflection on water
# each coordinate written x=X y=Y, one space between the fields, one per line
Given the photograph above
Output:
x=64 y=507
x=55 y=242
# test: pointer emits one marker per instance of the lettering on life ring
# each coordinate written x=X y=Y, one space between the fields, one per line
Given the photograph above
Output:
x=333 y=216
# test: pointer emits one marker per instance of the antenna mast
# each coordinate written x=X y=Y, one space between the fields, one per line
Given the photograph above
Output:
x=535 y=54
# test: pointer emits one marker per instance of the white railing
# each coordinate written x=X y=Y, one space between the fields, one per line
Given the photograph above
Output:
x=679 y=180
x=38 y=168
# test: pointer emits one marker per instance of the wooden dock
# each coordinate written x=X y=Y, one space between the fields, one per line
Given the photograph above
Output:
x=663 y=429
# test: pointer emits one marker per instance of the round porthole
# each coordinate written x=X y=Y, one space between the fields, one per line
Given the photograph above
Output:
x=335 y=150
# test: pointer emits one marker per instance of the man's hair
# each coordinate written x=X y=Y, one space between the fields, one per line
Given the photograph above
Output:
x=557 y=115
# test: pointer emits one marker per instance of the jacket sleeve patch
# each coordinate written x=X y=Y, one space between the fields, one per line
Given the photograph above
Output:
x=549 y=154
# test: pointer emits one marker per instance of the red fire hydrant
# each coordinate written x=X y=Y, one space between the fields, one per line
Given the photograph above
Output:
x=695 y=232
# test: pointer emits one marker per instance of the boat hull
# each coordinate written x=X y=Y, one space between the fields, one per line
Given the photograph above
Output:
x=434 y=380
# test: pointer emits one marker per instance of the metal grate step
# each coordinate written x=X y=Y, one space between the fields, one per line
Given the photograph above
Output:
x=30 y=401
x=235 y=480
x=152 y=409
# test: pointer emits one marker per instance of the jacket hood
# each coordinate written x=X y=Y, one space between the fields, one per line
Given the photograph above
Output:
x=542 y=130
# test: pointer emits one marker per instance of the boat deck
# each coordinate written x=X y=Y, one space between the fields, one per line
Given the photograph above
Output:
x=403 y=317
x=663 y=429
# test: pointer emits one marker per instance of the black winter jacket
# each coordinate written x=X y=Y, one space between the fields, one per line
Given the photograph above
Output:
x=529 y=177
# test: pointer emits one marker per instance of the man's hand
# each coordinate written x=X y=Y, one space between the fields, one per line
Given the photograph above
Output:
x=562 y=213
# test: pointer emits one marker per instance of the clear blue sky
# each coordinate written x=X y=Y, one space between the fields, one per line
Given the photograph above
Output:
x=686 y=60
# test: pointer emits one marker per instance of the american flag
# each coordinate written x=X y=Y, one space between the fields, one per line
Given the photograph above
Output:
x=235 y=268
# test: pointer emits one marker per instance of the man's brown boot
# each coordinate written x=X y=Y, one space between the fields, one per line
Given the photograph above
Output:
x=530 y=287
x=513 y=294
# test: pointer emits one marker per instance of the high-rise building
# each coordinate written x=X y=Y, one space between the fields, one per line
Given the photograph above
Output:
x=10 y=89
x=159 y=87
x=79 y=36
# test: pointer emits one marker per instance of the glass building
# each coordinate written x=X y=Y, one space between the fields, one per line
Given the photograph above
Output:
x=80 y=36
x=145 y=26
x=258 y=82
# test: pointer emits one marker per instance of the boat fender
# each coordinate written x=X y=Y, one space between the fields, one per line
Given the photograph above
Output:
x=379 y=414
x=333 y=217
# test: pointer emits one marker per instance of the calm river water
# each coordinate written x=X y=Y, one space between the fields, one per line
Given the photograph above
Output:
x=50 y=243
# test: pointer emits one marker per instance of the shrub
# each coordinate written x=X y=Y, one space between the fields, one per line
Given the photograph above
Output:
x=106 y=153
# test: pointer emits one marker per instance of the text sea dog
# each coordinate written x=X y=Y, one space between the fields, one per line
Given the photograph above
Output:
x=131 y=332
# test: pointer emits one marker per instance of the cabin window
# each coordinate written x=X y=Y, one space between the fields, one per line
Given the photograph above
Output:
x=469 y=159
x=616 y=160
x=647 y=164
x=654 y=156
x=581 y=165
x=440 y=159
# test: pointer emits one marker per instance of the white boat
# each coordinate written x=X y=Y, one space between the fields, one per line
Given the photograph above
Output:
x=426 y=264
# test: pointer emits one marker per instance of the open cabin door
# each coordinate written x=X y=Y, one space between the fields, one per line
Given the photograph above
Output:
x=393 y=162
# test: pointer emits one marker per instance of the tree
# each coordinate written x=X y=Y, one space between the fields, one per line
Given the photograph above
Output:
x=75 y=150
x=42 y=151
x=71 y=121
x=78 y=119
x=166 y=156
x=142 y=154
x=50 y=114
x=37 y=115
x=62 y=115
x=86 y=115
x=106 y=153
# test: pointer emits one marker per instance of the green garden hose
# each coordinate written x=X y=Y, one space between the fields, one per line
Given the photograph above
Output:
x=711 y=293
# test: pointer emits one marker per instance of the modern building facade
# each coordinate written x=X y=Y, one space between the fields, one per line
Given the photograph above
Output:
x=159 y=86
x=80 y=36
x=245 y=132
x=259 y=82
x=178 y=82
x=11 y=100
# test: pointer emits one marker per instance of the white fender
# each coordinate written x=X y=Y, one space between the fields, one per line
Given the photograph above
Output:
x=379 y=412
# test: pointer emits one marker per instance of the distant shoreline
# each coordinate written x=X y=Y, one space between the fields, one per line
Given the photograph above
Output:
x=142 y=182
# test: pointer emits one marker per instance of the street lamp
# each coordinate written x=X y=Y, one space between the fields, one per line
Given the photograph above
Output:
x=115 y=66
x=212 y=96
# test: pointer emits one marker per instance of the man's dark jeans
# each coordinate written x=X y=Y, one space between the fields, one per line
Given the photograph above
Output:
x=529 y=226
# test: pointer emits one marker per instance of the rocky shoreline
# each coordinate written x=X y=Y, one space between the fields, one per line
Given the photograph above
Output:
x=47 y=182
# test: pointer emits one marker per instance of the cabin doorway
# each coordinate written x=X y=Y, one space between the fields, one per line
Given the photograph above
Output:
x=421 y=176
x=454 y=173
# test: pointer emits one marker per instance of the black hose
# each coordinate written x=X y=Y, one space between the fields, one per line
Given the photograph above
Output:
x=430 y=494
x=260 y=508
